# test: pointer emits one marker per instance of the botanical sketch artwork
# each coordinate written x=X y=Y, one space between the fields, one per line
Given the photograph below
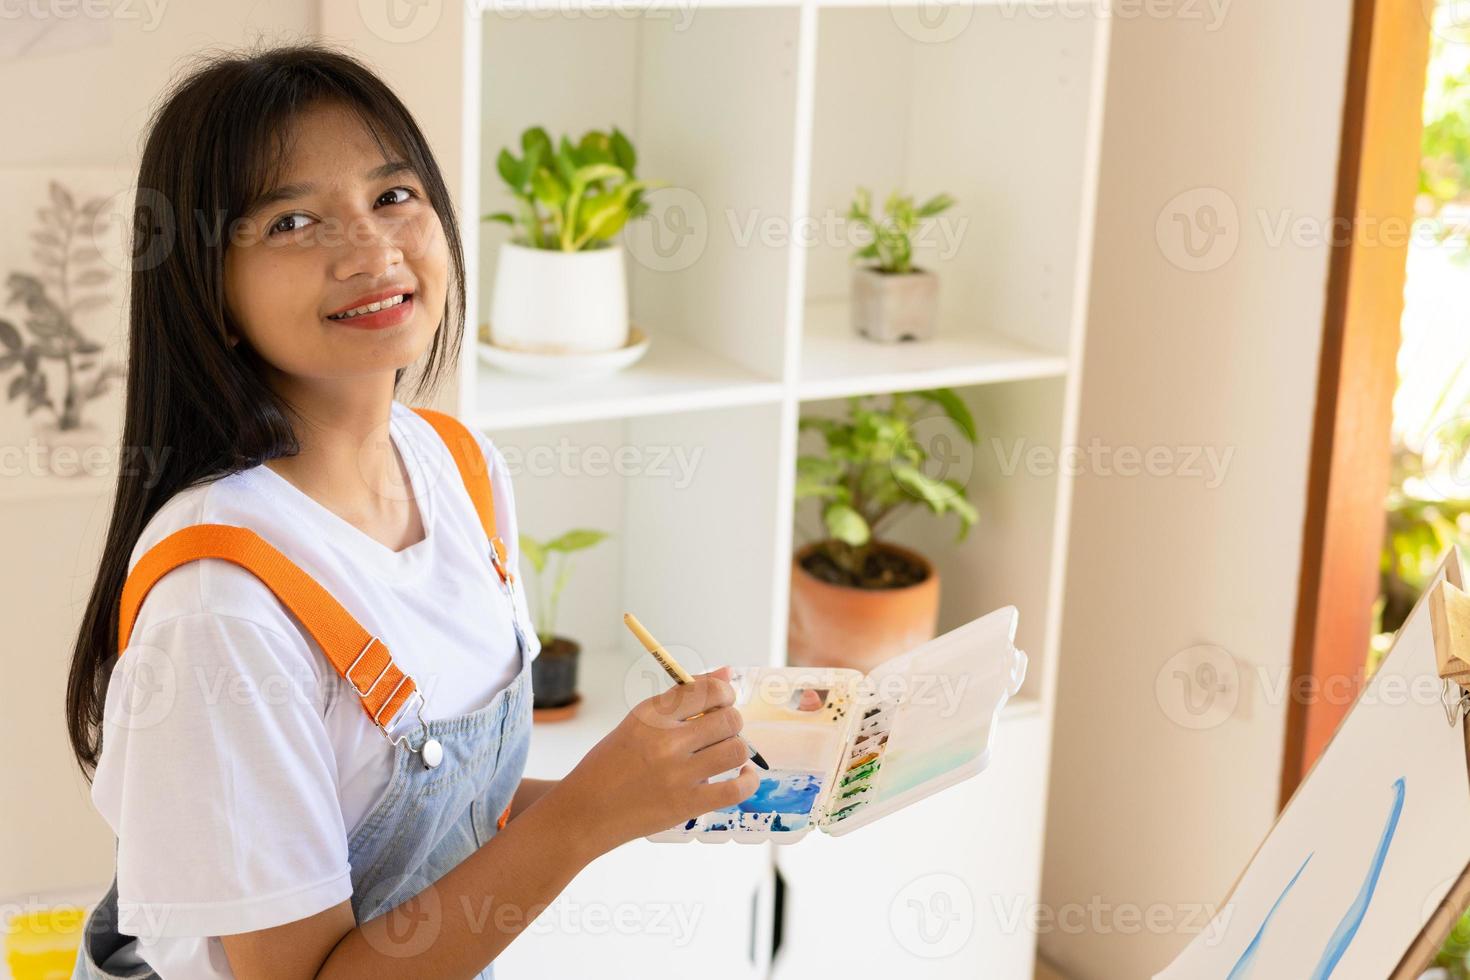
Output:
x=62 y=302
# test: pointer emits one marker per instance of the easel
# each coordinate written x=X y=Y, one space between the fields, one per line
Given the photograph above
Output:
x=1449 y=612
x=1437 y=632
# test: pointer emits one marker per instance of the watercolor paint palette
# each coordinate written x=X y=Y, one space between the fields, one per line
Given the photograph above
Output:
x=847 y=748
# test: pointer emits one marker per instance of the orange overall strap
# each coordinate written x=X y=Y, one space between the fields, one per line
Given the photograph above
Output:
x=473 y=470
x=355 y=653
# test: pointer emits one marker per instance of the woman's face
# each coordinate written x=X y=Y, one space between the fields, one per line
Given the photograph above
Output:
x=351 y=229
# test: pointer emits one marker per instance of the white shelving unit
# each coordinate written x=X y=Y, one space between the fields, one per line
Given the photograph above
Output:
x=763 y=117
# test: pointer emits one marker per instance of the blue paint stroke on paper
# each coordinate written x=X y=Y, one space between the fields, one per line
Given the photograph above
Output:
x=1353 y=918
x=1242 y=967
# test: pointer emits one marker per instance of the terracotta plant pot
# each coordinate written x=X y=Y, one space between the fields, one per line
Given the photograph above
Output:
x=554 y=679
x=842 y=626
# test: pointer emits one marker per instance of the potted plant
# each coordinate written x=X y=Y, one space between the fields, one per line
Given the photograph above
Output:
x=857 y=600
x=560 y=285
x=892 y=299
x=554 y=671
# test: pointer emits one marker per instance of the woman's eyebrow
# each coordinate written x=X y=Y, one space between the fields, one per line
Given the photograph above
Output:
x=291 y=192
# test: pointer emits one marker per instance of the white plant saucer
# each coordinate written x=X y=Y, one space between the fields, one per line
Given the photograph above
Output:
x=566 y=366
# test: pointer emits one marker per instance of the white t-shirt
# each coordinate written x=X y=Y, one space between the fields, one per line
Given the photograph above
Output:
x=236 y=761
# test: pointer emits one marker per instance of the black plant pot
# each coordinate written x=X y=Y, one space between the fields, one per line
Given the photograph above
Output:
x=554 y=674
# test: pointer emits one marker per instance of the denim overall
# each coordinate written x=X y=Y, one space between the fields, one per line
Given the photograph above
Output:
x=446 y=797
x=426 y=822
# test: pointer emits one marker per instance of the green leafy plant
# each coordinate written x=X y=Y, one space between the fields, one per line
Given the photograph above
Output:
x=1425 y=511
x=1455 y=952
x=1444 y=169
x=70 y=261
x=1444 y=166
x=571 y=196
x=873 y=471
x=540 y=554
x=1421 y=525
x=893 y=234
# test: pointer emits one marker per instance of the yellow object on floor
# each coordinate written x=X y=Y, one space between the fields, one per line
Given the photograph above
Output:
x=41 y=944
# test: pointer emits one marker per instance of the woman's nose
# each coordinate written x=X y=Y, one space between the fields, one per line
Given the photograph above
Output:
x=369 y=247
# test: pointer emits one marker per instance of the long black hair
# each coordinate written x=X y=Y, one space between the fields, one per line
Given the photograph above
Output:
x=197 y=409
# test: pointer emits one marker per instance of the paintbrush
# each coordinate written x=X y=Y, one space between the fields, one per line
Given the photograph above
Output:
x=679 y=674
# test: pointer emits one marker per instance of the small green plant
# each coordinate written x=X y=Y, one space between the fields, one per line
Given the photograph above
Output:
x=571 y=196
x=893 y=234
x=1455 y=953
x=540 y=552
x=873 y=471
x=1426 y=511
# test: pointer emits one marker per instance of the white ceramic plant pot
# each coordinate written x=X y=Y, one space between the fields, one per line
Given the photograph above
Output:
x=891 y=307
x=552 y=302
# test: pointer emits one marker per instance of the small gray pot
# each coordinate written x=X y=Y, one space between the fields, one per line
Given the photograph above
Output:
x=890 y=307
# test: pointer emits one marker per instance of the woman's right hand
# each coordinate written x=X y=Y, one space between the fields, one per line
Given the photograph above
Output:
x=651 y=772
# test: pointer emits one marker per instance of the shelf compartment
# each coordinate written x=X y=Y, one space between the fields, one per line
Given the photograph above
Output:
x=683 y=498
x=981 y=104
x=675 y=375
x=836 y=362
x=708 y=98
x=1006 y=559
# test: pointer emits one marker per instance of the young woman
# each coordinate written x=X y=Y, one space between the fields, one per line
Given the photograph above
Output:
x=296 y=253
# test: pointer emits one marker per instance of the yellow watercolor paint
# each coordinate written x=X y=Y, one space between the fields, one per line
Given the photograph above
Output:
x=42 y=944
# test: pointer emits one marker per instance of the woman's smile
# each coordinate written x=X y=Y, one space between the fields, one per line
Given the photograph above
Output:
x=373 y=314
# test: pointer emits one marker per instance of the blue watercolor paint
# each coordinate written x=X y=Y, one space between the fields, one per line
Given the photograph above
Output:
x=773 y=821
x=784 y=793
x=788 y=821
x=1242 y=967
x=782 y=802
x=1353 y=917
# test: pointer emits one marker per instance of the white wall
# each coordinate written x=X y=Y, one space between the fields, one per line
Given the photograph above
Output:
x=1147 y=815
x=81 y=108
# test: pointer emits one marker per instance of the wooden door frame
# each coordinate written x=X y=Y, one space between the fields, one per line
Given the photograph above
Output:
x=1348 y=471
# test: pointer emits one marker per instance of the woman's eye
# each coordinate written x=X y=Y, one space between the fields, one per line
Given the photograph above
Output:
x=277 y=227
x=280 y=226
x=407 y=195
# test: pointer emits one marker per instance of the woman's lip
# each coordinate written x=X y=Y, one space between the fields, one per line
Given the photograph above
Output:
x=383 y=318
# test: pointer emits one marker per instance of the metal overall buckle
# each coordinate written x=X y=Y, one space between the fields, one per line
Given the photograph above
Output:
x=428 y=748
x=506 y=583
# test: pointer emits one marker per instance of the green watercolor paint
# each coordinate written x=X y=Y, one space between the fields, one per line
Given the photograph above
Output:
x=857 y=775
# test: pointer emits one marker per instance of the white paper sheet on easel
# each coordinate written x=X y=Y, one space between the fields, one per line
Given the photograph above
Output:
x=1366 y=849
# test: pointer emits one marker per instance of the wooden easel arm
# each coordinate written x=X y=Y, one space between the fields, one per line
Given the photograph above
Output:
x=1449 y=615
